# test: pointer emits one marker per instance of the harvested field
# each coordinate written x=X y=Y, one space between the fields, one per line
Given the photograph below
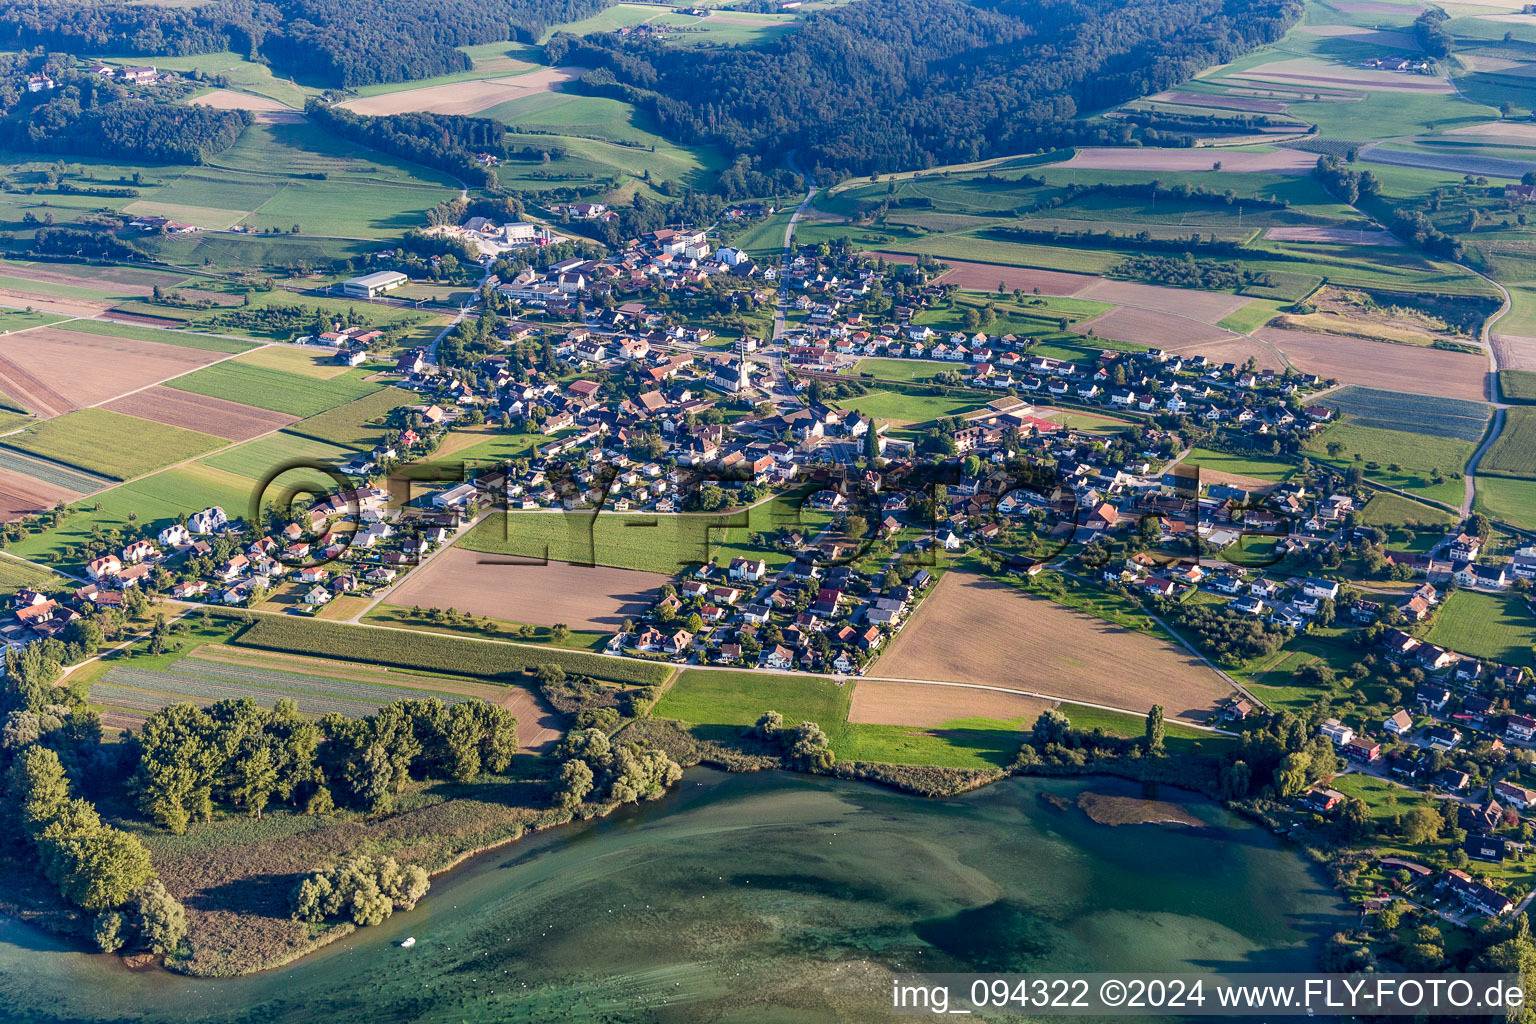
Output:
x=976 y=630
x=1236 y=351
x=17 y=299
x=465 y=97
x=52 y=371
x=984 y=276
x=1208 y=307
x=1377 y=364
x=120 y=284
x=215 y=416
x=229 y=99
x=1150 y=327
x=1285 y=161
x=1307 y=71
x=886 y=702
x=1514 y=351
x=586 y=599
x=1360 y=34
x=1333 y=236
x=1224 y=102
x=21 y=495
x=1375 y=7
x=1518 y=131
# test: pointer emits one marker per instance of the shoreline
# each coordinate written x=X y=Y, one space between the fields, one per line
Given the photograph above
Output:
x=906 y=779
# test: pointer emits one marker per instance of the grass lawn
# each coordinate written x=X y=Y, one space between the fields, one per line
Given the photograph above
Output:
x=733 y=700
x=111 y=444
x=1255 y=466
x=278 y=390
x=903 y=410
x=1513 y=501
x=902 y=369
x=1499 y=627
x=1395 y=510
x=1398 y=458
x=1252 y=316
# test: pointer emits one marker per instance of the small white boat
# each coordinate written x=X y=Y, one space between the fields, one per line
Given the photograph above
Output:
x=408 y=942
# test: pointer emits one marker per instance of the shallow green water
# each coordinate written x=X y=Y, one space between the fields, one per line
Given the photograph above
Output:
x=757 y=898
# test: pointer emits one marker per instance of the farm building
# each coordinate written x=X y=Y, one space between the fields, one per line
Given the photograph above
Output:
x=371 y=285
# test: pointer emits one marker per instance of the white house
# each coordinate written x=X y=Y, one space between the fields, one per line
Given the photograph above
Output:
x=209 y=519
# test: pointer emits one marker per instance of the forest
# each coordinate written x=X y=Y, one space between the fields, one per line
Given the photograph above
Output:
x=86 y=115
x=884 y=85
x=343 y=43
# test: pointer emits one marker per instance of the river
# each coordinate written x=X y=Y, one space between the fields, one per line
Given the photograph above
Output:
x=760 y=898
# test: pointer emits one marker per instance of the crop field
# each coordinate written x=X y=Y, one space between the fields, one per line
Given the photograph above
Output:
x=1518 y=386
x=306 y=362
x=972 y=629
x=189 y=339
x=1514 y=453
x=229 y=420
x=1420 y=414
x=53 y=371
x=202 y=682
x=258 y=459
x=1506 y=498
x=1207 y=307
x=21 y=494
x=358 y=425
x=1494 y=626
x=52 y=473
x=587 y=598
x=111 y=444
x=1398 y=458
x=664 y=544
x=154 y=500
x=429 y=652
x=1375 y=365
x=276 y=390
x=15 y=574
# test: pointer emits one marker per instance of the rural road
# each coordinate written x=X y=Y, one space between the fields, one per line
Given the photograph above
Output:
x=1492 y=390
